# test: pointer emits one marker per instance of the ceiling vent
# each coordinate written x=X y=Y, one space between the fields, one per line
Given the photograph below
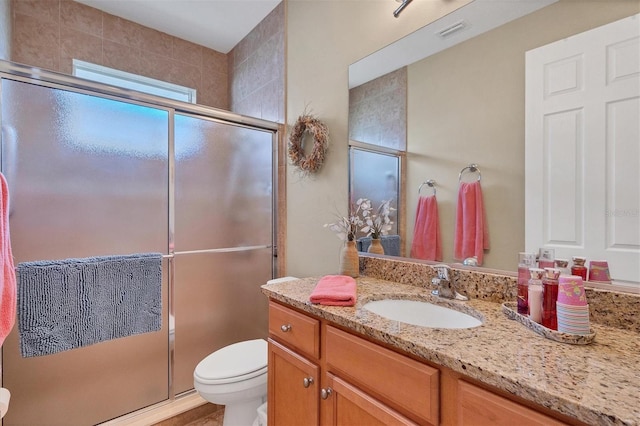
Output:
x=451 y=29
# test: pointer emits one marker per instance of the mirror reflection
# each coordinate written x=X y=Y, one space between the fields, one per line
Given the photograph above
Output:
x=375 y=175
x=465 y=104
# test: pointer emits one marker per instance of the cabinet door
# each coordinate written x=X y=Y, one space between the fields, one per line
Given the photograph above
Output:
x=478 y=407
x=349 y=406
x=292 y=388
x=377 y=369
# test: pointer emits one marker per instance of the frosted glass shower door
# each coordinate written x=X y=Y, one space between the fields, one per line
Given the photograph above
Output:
x=88 y=176
x=223 y=238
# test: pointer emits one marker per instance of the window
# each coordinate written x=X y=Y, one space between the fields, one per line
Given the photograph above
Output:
x=127 y=80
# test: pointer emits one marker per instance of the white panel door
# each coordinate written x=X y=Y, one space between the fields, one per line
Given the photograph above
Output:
x=582 y=153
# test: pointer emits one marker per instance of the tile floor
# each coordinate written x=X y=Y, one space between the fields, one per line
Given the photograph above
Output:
x=214 y=419
x=205 y=415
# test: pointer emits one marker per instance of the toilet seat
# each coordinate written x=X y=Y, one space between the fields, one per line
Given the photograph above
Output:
x=234 y=363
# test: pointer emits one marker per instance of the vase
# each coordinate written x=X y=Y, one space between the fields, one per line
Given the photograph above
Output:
x=349 y=263
x=376 y=246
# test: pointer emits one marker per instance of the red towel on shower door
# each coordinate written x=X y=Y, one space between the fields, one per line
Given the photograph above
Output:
x=471 y=235
x=8 y=277
x=426 y=243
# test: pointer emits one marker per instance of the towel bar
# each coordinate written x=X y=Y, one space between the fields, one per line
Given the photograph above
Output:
x=430 y=183
x=473 y=168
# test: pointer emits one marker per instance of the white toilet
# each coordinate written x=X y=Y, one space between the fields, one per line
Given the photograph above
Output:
x=236 y=377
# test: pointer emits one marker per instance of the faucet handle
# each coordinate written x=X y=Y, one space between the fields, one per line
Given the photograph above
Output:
x=442 y=271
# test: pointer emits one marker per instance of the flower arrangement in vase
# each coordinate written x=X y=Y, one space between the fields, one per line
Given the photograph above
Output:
x=378 y=223
x=361 y=219
x=346 y=229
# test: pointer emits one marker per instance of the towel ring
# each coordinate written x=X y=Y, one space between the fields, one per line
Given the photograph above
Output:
x=430 y=183
x=473 y=168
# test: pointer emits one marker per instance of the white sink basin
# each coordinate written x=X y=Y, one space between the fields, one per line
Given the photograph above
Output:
x=421 y=313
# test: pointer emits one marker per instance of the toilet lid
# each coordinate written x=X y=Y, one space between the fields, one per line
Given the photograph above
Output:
x=242 y=360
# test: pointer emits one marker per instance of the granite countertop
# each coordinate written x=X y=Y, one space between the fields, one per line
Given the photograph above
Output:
x=598 y=383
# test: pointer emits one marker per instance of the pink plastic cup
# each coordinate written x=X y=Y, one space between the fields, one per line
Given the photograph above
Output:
x=599 y=271
x=571 y=290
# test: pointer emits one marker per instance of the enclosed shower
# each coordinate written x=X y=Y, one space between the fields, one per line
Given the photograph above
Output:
x=96 y=171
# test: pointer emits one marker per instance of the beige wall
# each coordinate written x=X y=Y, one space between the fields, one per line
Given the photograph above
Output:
x=50 y=33
x=466 y=105
x=5 y=29
x=323 y=39
x=256 y=70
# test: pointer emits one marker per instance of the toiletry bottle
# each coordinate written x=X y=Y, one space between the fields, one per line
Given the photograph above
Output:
x=535 y=294
x=563 y=265
x=550 y=297
x=546 y=258
x=578 y=267
x=525 y=261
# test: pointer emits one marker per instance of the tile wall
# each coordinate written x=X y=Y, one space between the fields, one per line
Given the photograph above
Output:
x=256 y=68
x=5 y=29
x=50 y=33
x=378 y=111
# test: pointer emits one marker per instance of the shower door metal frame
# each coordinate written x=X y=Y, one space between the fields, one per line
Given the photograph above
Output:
x=33 y=75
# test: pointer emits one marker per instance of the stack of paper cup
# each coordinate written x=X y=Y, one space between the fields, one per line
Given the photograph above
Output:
x=599 y=271
x=572 y=308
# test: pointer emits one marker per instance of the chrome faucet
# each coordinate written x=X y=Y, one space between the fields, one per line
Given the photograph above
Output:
x=446 y=286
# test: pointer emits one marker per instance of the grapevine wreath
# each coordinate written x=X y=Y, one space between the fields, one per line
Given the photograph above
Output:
x=308 y=124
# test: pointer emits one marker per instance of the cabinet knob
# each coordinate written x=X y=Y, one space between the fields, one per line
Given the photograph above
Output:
x=307 y=381
x=325 y=393
x=285 y=327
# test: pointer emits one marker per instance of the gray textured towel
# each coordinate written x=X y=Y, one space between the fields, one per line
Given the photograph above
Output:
x=67 y=304
x=390 y=244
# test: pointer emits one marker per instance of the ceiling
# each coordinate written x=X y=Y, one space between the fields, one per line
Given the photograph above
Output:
x=469 y=21
x=216 y=24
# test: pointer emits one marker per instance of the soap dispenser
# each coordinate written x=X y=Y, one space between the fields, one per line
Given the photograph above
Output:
x=535 y=294
x=550 y=297
x=525 y=261
x=578 y=267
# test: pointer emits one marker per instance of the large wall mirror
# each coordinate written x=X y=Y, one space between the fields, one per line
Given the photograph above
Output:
x=465 y=104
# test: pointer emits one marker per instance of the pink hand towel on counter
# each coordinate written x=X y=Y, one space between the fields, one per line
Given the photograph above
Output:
x=471 y=234
x=8 y=277
x=426 y=243
x=334 y=290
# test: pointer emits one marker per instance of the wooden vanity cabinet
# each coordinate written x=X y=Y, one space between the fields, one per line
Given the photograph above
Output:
x=351 y=382
x=320 y=374
x=294 y=373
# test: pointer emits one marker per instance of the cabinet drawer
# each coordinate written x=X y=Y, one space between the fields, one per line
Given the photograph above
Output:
x=477 y=406
x=294 y=329
x=403 y=383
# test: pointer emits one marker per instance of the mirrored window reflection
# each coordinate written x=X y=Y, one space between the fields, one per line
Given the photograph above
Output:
x=376 y=176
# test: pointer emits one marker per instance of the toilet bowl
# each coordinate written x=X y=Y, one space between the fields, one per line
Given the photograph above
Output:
x=235 y=376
